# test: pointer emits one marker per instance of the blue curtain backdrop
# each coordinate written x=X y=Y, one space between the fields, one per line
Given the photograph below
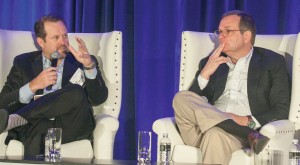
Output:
x=151 y=44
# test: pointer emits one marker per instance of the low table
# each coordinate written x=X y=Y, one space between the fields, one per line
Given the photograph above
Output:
x=72 y=161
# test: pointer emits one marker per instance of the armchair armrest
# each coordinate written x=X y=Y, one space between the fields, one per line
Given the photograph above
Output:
x=104 y=135
x=2 y=144
x=281 y=133
x=278 y=129
x=167 y=125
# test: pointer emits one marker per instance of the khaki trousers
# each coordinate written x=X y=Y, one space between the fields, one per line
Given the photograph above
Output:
x=196 y=120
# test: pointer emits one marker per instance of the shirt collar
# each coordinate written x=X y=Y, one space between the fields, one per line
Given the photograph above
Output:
x=244 y=59
x=47 y=63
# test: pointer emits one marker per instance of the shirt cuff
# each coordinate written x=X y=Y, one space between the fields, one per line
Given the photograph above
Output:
x=25 y=94
x=202 y=82
x=90 y=74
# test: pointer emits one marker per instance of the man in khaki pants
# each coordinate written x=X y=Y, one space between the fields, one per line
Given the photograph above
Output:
x=236 y=90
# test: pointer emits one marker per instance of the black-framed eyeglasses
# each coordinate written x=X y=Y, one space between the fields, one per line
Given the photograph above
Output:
x=224 y=32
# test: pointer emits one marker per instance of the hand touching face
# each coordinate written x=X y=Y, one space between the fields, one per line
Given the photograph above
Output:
x=214 y=61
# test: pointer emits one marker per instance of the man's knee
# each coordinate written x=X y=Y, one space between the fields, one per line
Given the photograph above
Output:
x=75 y=89
x=187 y=97
x=181 y=97
x=77 y=92
x=178 y=97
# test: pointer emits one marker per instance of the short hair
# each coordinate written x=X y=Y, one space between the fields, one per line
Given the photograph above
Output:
x=39 y=28
x=246 y=22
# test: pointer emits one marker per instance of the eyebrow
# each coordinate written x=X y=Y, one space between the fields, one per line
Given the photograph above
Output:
x=226 y=27
x=57 y=35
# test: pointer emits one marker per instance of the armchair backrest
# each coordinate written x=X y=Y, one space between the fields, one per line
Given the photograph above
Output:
x=107 y=47
x=294 y=115
x=197 y=45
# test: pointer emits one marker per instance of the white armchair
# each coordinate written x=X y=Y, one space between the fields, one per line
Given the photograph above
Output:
x=107 y=47
x=197 y=45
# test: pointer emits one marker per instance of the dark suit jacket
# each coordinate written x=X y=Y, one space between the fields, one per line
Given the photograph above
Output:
x=268 y=85
x=29 y=65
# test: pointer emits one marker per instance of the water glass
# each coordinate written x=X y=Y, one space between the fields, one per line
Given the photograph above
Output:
x=53 y=145
x=144 y=146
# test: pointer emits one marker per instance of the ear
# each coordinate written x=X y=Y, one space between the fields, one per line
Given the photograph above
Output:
x=247 y=36
x=40 y=41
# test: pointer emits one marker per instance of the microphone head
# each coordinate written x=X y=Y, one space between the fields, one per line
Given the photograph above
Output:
x=55 y=55
x=54 y=58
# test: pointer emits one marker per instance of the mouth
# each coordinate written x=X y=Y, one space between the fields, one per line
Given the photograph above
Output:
x=62 y=48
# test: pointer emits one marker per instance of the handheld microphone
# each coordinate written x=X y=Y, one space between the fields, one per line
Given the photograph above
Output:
x=53 y=60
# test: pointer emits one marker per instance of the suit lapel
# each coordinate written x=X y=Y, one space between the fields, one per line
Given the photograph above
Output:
x=37 y=67
x=70 y=67
x=254 y=73
x=220 y=81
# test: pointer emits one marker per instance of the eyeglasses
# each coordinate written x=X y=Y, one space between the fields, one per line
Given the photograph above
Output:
x=224 y=32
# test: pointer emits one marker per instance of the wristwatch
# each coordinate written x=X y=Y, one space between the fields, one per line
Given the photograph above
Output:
x=251 y=124
x=90 y=67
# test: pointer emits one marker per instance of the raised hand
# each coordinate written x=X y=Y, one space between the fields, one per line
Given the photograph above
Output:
x=214 y=61
x=82 y=55
x=45 y=78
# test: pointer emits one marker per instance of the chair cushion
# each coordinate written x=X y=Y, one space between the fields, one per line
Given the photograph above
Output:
x=77 y=149
x=186 y=154
x=14 y=150
x=2 y=145
x=242 y=156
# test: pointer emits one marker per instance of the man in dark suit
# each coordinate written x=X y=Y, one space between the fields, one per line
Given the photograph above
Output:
x=236 y=90
x=69 y=89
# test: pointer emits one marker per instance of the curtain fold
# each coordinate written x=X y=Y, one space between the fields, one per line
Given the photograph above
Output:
x=151 y=44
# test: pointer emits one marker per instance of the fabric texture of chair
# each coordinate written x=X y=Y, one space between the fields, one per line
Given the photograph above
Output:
x=107 y=47
x=197 y=45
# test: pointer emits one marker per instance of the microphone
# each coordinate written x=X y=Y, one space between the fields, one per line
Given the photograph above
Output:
x=53 y=60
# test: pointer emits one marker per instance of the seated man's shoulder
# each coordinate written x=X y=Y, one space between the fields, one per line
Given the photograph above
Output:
x=28 y=55
x=268 y=54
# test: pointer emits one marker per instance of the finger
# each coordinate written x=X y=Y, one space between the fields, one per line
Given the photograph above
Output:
x=220 y=48
x=222 y=60
x=50 y=69
x=218 y=51
x=72 y=50
x=52 y=80
x=81 y=46
x=80 y=42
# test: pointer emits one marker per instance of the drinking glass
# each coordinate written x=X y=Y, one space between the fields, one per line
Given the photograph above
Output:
x=144 y=146
x=53 y=141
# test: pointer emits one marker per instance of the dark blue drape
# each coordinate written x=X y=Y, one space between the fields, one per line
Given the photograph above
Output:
x=151 y=44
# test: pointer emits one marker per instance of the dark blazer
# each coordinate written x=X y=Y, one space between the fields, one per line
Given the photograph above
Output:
x=29 y=65
x=268 y=85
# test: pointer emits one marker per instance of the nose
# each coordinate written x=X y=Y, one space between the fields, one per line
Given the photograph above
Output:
x=61 y=40
x=221 y=36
